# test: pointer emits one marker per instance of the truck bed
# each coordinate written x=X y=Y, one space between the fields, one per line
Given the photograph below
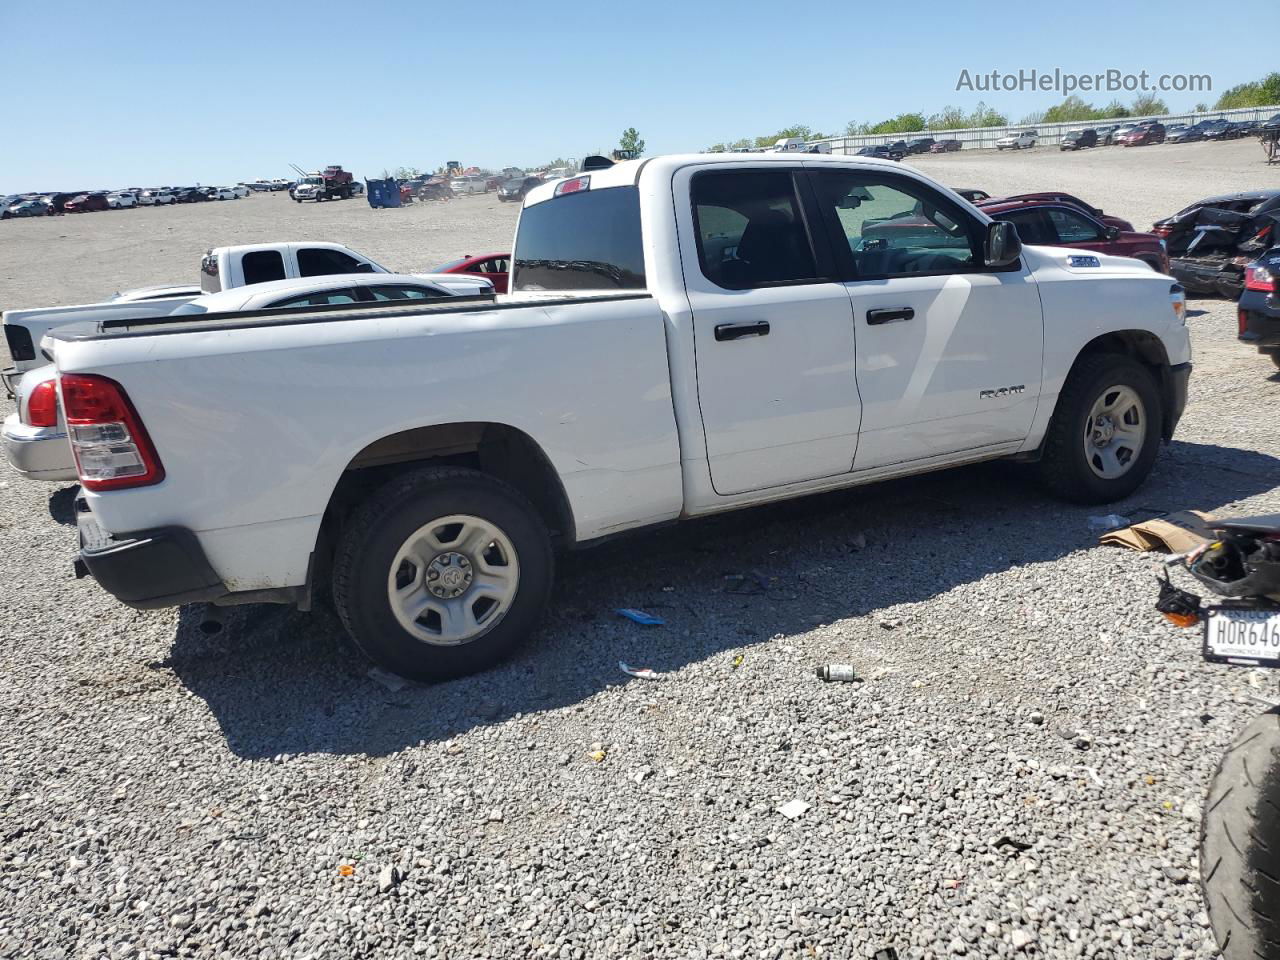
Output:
x=256 y=416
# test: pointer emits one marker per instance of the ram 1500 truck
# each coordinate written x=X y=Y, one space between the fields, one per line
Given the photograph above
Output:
x=685 y=335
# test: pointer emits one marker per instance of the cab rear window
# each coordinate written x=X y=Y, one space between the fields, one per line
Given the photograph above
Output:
x=588 y=240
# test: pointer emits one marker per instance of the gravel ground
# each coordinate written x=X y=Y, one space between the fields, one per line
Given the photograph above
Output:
x=1019 y=775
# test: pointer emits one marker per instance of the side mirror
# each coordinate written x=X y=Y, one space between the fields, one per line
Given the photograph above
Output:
x=1112 y=233
x=849 y=202
x=1002 y=246
x=364 y=268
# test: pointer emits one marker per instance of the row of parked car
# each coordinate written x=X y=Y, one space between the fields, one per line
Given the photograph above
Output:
x=51 y=204
x=1143 y=132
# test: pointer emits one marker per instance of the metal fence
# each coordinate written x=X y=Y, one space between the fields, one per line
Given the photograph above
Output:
x=979 y=138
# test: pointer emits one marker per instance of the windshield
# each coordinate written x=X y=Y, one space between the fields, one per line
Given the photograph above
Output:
x=451 y=265
x=314 y=181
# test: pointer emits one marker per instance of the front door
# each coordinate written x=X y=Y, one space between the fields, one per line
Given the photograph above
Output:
x=949 y=352
x=773 y=332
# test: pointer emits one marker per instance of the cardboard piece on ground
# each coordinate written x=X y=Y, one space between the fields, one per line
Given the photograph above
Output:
x=1173 y=533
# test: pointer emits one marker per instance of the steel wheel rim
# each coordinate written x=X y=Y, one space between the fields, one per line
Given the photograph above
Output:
x=1115 y=432
x=453 y=580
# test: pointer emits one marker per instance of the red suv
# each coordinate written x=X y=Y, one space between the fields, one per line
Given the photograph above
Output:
x=1063 y=225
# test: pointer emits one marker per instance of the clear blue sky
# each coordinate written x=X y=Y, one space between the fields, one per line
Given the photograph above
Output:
x=146 y=92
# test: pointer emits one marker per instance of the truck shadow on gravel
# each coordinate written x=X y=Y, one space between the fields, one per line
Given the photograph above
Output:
x=281 y=682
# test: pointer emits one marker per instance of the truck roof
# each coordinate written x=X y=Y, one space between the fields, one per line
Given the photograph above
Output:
x=627 y=173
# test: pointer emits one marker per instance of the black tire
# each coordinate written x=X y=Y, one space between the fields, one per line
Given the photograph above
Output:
x=1275 y=358
x=381 y=525
x=1063 y=468
x=1240 y=844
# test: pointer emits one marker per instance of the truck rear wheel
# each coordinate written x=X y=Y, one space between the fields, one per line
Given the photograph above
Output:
x=1105 y=432
x=442 y=572
x=1240 y=844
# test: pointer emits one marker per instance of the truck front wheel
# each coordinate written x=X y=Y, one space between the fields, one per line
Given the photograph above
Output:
x=1105 y=431
x=442 y=572
x=1240 y=844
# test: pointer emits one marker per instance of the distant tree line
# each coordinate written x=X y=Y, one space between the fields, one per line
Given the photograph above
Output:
x=1260 y=93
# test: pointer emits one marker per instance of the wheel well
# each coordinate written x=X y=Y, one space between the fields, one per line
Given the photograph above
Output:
x=1147 y=349
x=493 y=448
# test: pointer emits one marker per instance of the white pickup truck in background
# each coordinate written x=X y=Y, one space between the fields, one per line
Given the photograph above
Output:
x=221 y=268
x=686 y=335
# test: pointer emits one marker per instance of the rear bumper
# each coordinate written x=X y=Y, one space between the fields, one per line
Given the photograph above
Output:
x=1175 y=398
x=163 y=567
x=1208 y=276
x=1261 y=328
x=38 y=453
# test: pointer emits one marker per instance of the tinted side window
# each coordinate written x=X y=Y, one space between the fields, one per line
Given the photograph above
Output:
x=318 y=299
x=1073 y=228
x=262 y=266
x=402 y=293
x=1034 y=226
x=581 y=241
x=750 y=230
x=896 y=227
x=319 y=262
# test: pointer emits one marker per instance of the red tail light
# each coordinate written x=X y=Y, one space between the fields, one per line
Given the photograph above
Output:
x=1160 y=231
x=1242 y=321
x=1259 y=278
x=110 y=444
x=42 y=405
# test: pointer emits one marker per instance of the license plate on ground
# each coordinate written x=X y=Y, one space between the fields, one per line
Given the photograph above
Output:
x=1242 y=635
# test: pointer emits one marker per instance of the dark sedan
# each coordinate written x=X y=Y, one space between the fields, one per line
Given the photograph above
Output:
x=945 y=146
x=1220 y=130
x=516 y=188
x=1259 y=307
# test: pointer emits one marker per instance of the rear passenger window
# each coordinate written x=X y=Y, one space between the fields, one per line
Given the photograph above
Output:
x=402 y=293
x=262 y=266
x=319 y=262
x=588 y=240
x=749 y=228
x=318 y=299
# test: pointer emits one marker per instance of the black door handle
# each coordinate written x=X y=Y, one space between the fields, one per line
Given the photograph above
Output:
x=890 y=314
x=736 y=331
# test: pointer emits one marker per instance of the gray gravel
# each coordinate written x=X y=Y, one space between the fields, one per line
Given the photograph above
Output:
x=1019 y=774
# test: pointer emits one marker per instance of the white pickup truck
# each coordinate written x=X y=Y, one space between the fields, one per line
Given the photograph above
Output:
x=221 y=268
x=686 y=335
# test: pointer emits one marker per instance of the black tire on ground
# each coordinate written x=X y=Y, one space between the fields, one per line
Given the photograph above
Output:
x=1063 y=467
x=380 y=526
x=1240 y=844
x=1275 y=358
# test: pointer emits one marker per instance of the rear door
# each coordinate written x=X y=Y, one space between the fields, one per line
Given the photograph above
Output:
x=773 y=330
x=949 y=351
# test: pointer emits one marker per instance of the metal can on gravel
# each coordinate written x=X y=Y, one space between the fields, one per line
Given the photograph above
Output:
x=837 y=673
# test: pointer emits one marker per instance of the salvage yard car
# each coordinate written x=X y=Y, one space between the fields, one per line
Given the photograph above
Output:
x=1141 y=134
x=1079 y=139
x=221 y=268
x=1064 y=225
x=1211 y=241
x=34 y=436
x=1018 y=141
x=686 y=335
x=1259 y=306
